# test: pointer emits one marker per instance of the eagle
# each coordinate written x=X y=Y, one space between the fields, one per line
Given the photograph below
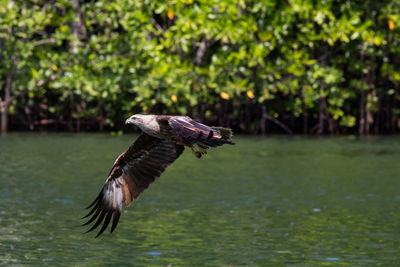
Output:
x=161 y=142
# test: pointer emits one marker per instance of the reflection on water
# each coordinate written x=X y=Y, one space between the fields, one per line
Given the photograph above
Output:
x=305 y=201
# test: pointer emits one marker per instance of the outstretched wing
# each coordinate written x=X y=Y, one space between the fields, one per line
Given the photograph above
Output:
x=190 y=130
x=133 y=171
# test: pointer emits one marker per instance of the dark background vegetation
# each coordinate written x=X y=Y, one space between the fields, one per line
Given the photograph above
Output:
x=301 y=66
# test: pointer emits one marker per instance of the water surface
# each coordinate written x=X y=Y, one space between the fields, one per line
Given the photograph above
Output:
x=266 y=201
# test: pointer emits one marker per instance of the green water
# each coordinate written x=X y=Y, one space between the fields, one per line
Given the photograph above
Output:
x=266 y=201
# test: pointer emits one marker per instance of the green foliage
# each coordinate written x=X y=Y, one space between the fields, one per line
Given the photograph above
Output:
x=104 y=60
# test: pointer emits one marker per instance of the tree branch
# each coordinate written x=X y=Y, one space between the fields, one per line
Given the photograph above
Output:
x=201 y=51
x=45 y=41
x=280 y=124
x=155 y=24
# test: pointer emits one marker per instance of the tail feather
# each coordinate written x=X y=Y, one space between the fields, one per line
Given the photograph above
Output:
x=226 y=133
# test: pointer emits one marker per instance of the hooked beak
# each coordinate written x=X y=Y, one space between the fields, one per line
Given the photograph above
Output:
x=130 y=120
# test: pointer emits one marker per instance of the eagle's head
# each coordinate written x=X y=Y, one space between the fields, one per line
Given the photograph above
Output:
x=141 y=121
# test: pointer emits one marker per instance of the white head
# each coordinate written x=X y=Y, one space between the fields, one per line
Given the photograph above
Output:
x=141 y=121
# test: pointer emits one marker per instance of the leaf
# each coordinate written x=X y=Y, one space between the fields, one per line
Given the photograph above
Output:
x=250 y=94
x=391 y=24
x=225 y=95
x=170 y=14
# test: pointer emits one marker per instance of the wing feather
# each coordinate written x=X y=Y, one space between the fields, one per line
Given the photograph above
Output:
x=133 y=171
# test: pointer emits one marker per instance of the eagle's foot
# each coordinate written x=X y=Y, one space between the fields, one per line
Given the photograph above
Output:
x=203 y=151
x=196 y=153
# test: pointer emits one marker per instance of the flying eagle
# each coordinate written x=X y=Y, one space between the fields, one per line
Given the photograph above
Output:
x=162 y=141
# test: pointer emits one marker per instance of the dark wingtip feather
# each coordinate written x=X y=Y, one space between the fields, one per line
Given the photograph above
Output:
x=93 y=209
x=97 y=198
x=99 y=220
x=105 y=224
x=100 y=214
x=93 y=218
x=115 y=221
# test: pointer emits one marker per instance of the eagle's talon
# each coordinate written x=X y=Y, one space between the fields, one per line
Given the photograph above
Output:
x=196 y=153
x=202 y=150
